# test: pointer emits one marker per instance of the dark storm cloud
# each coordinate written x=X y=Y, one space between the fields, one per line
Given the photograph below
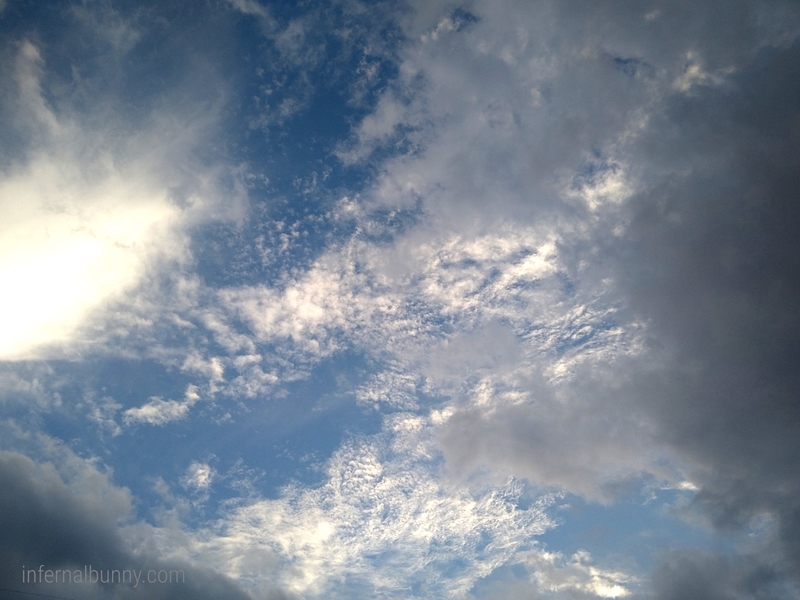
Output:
x=711 y=261
x=44 y=521
x=694 y=575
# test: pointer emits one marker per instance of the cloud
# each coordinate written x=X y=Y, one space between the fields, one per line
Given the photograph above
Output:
x=696 y=574
x=385 y=520
x=552 y=575
x=396 y=388
x=595 y=284
x=437 y=310
x=569 y=440
x=381 y=521
x=657 y=147
x=199 y=476
x=94 y=200
x=250 y=7
x=161 y=412
x=47 y=521
x=709 y=260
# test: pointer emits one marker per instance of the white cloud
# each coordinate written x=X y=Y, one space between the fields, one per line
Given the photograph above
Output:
x=198 y=476
x=396 y=389
x=302 y=313
x=161 y=412
x=391 y=301
x=250 y=7
x=694 y=75
x=388 y=519
x=553 y=573
x=103 y=413
x=32 y=387
x=67 y=247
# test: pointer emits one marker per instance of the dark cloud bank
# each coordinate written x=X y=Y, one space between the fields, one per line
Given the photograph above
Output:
x=711 y=261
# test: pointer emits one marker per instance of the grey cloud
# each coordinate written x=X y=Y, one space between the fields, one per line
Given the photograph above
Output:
x=711 y=260
x=491 y=347
x=579 y=442
x=696 y=575
x=506 y=588
x=44 y=521
x=521 y=99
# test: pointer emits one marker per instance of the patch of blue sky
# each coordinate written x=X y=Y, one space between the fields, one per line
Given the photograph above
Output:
x=286 y=436
x=585 y=335
x=260 y=449
x=151 y=60
x=72 y=387
x=262 y=251
x=294 y=178
x=290 y=434
x=594 y=169
x=387 y=224
x=301 y=141
x=632 y=533
x=462 y=19
x=524 y=285
x=628 y=66
x=485 y=587
x=568 y=286
x=311 y=415
x=295 y=154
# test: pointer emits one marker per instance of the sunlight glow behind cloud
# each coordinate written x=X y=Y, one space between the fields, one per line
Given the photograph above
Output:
x=68 y=245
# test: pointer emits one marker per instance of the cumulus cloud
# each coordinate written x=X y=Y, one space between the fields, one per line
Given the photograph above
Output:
x=696 y=574
x=575 y=441
x=710 y=261
x=552 y=575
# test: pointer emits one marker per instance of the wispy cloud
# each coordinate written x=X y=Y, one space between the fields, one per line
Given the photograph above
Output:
x=382 y=521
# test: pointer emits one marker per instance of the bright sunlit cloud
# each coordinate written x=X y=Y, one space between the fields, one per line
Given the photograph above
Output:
x=67 y=245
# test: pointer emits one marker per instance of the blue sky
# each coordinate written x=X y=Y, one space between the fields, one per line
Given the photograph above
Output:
x=356 y=299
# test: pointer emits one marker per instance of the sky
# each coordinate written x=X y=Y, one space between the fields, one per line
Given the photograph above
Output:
x=413 y=299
